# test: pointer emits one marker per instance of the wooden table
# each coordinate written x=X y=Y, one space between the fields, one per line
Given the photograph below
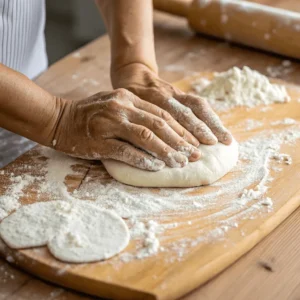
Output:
x=270 y=270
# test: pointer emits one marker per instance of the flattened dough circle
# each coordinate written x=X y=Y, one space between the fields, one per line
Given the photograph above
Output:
x=32 y=225
x=75 y=231
x=94 y=235
x=216 y=161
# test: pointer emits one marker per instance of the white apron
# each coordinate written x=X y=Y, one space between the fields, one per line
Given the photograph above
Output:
x=22 y=48
x=22 y=42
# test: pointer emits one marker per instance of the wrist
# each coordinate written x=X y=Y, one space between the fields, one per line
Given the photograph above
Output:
x=51 y=128
x=130 y=73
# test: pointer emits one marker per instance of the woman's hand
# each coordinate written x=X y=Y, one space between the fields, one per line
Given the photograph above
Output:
x=192 y=112
x=119 y=125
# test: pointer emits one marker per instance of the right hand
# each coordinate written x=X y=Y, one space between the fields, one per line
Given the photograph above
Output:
x=116 y=125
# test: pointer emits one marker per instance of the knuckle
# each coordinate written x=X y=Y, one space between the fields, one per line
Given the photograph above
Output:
x=187 y=111
x=165 y=116
x=121 y=93
x=159 y=123
x=202 y=102
x=198 y=102
x=199 y=129
x=186 y=115
x=146 y=135
x=113 y=104
x=183 y=134
x=123 y=150
x=164 y=152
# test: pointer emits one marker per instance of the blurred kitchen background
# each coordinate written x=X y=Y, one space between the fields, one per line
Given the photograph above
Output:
x=70 y=24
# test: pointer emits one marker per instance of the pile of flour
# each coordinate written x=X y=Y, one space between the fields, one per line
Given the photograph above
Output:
x=241 y=87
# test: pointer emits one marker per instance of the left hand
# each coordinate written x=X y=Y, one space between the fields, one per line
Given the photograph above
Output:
x=192 y=112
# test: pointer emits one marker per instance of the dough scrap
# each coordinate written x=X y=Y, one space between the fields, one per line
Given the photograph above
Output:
x=216 y=161
x=75 y=231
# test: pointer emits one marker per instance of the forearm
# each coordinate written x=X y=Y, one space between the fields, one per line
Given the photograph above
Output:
x=25 y=108
x=130 y=27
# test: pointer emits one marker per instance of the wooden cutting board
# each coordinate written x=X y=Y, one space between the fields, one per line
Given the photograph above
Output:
x=159 y=277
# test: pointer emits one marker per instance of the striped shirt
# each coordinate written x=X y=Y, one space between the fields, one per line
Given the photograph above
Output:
x=22 y=41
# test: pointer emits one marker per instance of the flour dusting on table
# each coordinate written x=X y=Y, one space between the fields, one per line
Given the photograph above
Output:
x=150 y=212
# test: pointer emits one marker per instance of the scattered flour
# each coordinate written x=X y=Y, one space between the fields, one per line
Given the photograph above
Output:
x=150 y=212
x=200 y=84
x=9 y=201
x=253 y=124
x=242 y=87
x=59 y=168
x=174 y=68
x=6 y=275
x=280 y=70
x=283 y=158
x=146 y=232
x=265 y=109
x=76 y=54
x=285 y=121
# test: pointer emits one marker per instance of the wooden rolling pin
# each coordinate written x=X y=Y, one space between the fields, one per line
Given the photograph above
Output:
x=255 y=25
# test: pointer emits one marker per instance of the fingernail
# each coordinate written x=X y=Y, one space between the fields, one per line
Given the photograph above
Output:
x=214 y=138
x=158 y=165
x=227 y=138
x=211 y=140
x=152 y=164
x=195 y=155
x=185 y=150
x=177 y=160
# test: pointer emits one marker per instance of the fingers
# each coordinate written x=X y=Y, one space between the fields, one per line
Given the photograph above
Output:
x=185 y=116
x=126 y=153
x=157 y=111
x=204 y=112
x=163 y=131
x=144 y=138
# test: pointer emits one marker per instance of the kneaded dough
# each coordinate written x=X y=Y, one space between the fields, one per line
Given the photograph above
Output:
x=75 y=231
x=93 y=235
x=216 y=161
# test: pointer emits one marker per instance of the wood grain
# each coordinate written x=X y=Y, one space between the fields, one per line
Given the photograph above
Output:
x=174 y=42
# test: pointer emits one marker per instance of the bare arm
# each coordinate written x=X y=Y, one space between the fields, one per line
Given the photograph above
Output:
x=133 y=66
x=129 y=24
x=106 y=125
x=25 y=108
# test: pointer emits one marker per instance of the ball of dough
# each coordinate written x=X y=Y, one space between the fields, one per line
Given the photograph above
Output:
x=216 y=161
